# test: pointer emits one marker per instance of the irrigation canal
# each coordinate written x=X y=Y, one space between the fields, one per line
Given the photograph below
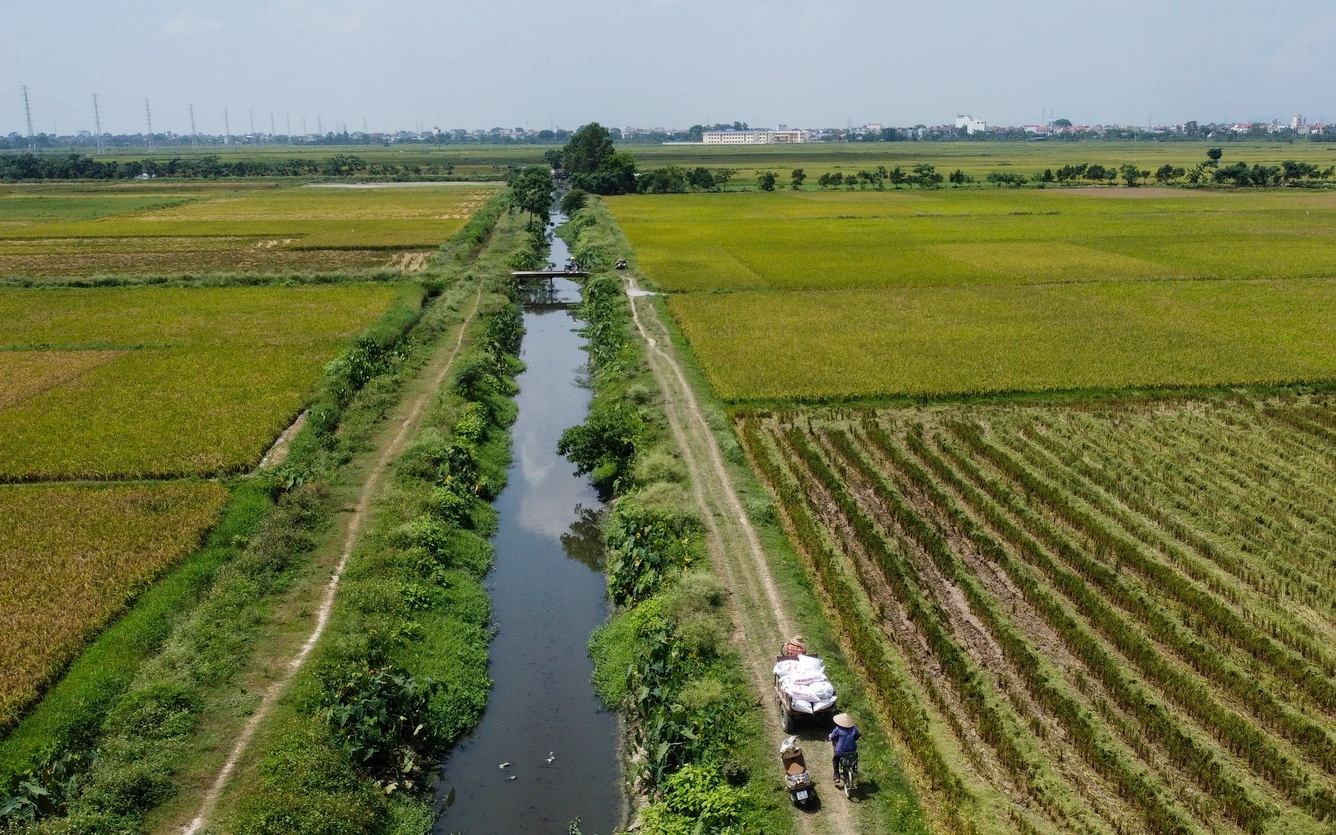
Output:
x=547 y=590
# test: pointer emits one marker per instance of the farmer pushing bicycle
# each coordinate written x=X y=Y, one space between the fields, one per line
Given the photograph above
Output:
x=845 y=738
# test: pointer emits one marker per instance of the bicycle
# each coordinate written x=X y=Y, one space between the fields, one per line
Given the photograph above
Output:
x=848 y=772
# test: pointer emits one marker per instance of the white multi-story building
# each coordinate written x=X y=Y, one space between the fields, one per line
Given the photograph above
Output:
x=755 y=137
x=971 y=124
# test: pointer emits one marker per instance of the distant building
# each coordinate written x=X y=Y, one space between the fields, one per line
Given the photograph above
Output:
x=755 y=137
x=872 y=127
x=1297 y=122
x=971 y=124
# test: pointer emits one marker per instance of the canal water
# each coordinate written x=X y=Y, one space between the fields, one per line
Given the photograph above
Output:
x=547 y=590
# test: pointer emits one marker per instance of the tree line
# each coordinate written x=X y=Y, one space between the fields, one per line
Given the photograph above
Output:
x=1207 y=172
x=80 y=167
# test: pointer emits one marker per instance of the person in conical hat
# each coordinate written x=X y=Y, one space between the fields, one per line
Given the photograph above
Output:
x=845 y=738
x=795 y=646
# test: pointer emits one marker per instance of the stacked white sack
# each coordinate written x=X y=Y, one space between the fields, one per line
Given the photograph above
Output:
x=804 y=680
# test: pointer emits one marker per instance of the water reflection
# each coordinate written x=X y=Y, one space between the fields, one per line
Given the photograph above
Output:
x=545 y=294
x=584 y=542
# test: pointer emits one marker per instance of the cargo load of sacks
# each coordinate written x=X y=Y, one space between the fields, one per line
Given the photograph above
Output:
x=804 y=680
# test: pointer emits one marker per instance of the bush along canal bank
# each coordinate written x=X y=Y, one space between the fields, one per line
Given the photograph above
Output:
x=125 y=746
x=694 y=740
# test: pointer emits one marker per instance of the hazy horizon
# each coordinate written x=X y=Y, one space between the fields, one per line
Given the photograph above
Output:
x=410 y=64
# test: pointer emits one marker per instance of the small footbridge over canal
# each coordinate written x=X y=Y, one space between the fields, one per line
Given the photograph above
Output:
x=523 y=277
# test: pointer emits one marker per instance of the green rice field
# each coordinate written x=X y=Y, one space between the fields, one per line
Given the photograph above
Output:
x=975 y=159
x=153 y=382
x=814 y=240
x=820 y=295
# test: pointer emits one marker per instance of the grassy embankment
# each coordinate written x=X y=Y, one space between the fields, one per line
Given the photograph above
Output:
x=664 y=658
x=407 y=642
x=192 y=632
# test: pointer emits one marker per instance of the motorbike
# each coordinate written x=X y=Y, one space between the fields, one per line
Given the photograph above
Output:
x=796 y=777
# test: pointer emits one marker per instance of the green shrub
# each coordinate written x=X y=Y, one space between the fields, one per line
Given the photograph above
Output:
x=644 y=546
x=695 y=801
x=604 y=446
x=379 y=716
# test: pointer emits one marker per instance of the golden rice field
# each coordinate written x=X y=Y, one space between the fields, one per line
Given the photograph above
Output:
x=156 y=382
x=818 y=295
x=72 y=557
x=1101 y=617
x=993 y=339
x=110 y=229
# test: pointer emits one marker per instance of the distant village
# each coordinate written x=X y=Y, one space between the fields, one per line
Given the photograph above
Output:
x=964 y=128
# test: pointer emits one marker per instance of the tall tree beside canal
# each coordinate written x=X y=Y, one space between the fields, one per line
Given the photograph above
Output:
x=532 y=189
x=594 y=163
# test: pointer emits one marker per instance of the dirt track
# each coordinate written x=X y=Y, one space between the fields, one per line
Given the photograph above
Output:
x=759 y=614
x=437 y=371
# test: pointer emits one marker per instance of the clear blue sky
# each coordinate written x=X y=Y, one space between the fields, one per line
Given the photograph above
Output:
x=515 y=63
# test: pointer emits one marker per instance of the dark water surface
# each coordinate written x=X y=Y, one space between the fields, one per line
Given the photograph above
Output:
x=547 y=593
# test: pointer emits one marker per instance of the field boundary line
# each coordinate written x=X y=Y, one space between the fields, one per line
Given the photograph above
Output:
x=369 y=488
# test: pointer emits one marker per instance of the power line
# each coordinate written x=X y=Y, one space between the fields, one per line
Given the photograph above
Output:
x=194 y=134
x=149 y=115
x=27 y=113
x=227 y=129
x=252 y=120
x=97 y=125
x=271 y=126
